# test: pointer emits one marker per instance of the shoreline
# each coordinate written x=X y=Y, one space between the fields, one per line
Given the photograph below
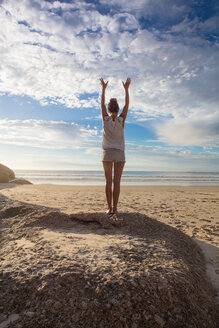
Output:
x=129 y=178
x=8 y=185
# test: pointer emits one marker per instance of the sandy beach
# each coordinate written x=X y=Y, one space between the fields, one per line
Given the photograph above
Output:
x=191 y=210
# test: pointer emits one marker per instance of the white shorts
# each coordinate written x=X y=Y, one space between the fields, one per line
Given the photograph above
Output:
x=113 y=155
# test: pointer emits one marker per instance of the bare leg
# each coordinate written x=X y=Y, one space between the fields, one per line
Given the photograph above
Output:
x=118 y=168
x=108 y=189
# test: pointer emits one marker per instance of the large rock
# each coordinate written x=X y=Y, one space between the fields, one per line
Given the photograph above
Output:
x=20 y=181
x=92 y=270
x=6 y=174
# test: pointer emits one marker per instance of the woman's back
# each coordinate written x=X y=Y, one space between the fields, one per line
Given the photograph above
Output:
x=113 y=136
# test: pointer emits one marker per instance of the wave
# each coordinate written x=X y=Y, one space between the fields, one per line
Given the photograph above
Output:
x=128 y=177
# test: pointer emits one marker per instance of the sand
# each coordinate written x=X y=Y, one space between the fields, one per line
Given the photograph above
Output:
x=62 y=217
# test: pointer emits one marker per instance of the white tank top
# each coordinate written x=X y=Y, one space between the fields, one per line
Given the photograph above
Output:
x=113 y=136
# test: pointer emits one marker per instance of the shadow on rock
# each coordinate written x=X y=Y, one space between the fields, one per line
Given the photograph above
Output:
x=95 y=270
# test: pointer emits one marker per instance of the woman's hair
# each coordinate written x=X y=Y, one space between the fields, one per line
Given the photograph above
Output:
x=113 y=106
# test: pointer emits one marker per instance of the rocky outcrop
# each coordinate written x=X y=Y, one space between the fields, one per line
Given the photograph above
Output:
x=20 y=181
x=92 y=270
x=6 y=174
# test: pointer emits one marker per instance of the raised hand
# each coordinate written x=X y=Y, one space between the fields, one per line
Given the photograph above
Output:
x=104 y=84
x=127 y=83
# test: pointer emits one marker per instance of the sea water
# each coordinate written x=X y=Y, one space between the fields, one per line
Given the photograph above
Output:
x=132 y=178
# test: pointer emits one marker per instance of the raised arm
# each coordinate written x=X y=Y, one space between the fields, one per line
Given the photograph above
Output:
x=125 y=108
x=103 y=106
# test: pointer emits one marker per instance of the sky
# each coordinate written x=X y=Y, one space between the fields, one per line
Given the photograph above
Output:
x=53 y=53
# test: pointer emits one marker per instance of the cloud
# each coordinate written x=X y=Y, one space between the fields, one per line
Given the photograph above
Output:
x=56 y=51
x=166 y=158
x=46 y=134
x=190 y=131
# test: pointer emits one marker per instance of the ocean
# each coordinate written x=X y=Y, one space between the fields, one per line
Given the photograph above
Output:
x=132 y=178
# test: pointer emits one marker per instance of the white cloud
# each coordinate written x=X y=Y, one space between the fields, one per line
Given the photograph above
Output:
x=165 y=158
x=55 y=52
x=190 y=131
x=46 y=134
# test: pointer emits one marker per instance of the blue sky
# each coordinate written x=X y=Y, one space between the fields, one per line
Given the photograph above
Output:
x=52 y=54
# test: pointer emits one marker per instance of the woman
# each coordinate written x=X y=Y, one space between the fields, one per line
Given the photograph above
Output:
x=113 y=144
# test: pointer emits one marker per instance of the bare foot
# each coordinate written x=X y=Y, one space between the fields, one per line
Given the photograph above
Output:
x=109 y=212
x=114 y=210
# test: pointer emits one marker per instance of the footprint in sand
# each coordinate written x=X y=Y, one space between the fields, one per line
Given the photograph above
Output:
x=177 y=222
x=205 y=220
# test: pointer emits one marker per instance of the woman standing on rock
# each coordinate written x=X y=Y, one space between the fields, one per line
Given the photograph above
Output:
x=113 y=144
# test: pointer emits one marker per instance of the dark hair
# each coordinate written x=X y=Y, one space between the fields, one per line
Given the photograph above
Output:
x=113 y=106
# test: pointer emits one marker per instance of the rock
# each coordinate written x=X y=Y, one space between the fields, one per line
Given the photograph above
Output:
x=29 y=314
x=76 y=317
x=161 y=269
x=3 y=317
x=13 y=317
x=147 y=316
x=84 y=305
x=159 y=320
x=57 y=305
x=134 y=325
x=20 y=181
x=6 y=174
